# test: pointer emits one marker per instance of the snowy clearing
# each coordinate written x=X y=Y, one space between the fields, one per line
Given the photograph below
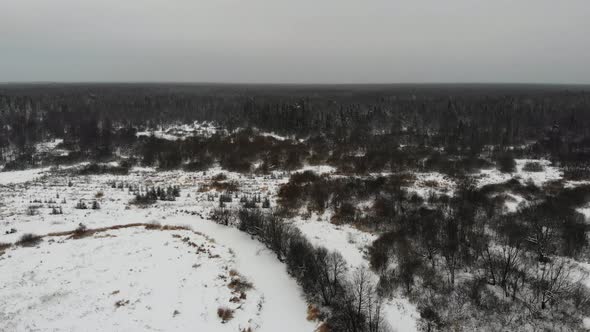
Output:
x=129 y=279
x=493 y=176
x=27 y=207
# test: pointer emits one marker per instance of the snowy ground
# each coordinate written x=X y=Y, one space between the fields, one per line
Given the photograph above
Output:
x=127 y=280
x=433 y=183
x=549 y=173
x=27 y=199
x=68 y=284
x=352 y=243
x=7 y=178
x=175 y=132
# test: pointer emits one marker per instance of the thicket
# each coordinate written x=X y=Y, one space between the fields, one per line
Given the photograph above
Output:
x=354 y=305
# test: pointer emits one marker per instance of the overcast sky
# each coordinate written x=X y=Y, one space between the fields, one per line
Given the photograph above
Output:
x=296 y=41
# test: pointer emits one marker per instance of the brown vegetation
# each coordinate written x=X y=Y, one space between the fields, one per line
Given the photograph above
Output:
x=225 y=314
x=312 y=312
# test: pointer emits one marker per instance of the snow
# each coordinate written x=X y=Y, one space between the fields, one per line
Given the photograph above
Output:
x=14 y=177
x=157 y=279
x=181 y=132
x=48 y=146
x=72 y=264
x=275 y=136
x=284 y=305
x=585 y=211
x=318 y=169
x=494 y=176
x=432 y=182
x=349 y=241
x=513 y=203
x=352 y=244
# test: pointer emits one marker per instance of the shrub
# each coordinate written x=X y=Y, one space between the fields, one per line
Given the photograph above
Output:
x=531 y=166
x=220 y=177
x=94 y=168
x=81 y=205
x=239 y=284
x=29 y=239
x=225 y=314
x=506 y=163
x=199 y=165
x=145 y=199
x=32 y=210
x=222 y=216
x=576 y=173
x=81 y=229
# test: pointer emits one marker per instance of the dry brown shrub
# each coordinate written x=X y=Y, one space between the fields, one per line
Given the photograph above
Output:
x=225 y=314
x=99 y=194
x=323 y=328
x=121 y=303
x=229 y=186
x=153 y=226
x=240 y=285
x=431 y=184
x=28 y=240
x=312 y=312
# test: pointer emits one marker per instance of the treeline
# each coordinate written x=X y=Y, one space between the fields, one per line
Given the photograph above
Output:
x=353 y=302
x=237 y=152
x=462 y=259
x=464 y=120
x=153 y=194
x=465 y=264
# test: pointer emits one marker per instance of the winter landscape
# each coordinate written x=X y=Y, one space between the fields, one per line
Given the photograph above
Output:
x=116 y=219
x=294 y=166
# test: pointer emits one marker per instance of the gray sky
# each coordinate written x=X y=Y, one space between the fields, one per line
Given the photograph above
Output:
x=296 y=41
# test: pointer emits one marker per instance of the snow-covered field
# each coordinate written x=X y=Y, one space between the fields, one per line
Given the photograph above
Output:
x=136 y=279
x=7 y=178
x=124 y=280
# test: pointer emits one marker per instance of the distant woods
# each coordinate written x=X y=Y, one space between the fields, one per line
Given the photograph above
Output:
x=96 y=120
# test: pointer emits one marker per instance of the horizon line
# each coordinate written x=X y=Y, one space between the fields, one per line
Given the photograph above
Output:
x=100 y=82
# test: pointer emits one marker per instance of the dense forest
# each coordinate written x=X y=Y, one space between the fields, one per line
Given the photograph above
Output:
x=462 y=120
